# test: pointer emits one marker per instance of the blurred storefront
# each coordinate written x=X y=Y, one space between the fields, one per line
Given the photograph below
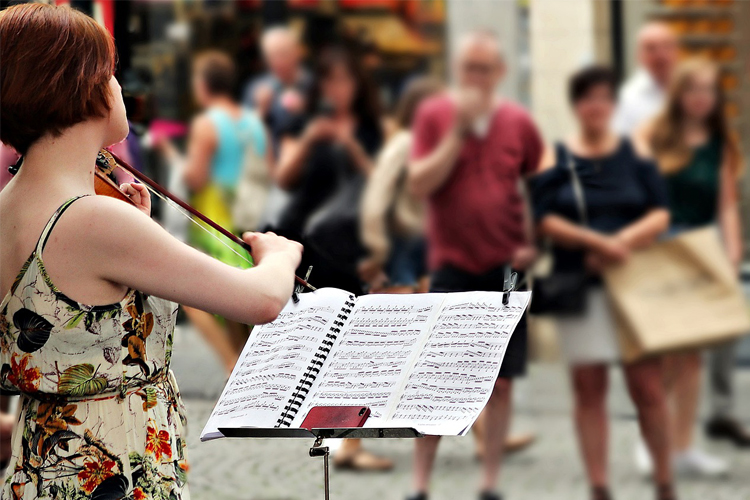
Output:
x=715 y=29
x=157 y=39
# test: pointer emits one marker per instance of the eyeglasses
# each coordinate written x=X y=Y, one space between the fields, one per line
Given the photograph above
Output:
x=478 y=68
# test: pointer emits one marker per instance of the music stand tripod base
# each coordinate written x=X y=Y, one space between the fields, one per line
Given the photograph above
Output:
x=319 y=434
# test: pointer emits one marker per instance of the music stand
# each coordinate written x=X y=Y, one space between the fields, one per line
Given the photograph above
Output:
x=319 y=434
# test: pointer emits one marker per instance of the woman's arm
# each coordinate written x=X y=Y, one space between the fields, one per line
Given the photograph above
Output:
x=120 y=244
x=729 y=213
x=201 y=147
x=642 y=141
x=360 y=158
x=292 y=154
x=270 y=156
x=645 y=230
x=293 y=151
x=570 y=235
x=377 y=199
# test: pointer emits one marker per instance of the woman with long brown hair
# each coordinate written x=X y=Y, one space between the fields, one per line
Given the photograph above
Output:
x=699 y=155
x=89 y=282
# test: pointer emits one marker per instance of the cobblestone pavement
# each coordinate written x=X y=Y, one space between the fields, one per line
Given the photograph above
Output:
x=550 y=470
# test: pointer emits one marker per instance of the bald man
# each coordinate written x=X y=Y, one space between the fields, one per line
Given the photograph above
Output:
x=470 y=151
x=643 y=95
x=279 y=94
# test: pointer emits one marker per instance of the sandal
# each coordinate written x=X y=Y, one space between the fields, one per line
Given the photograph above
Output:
x=363 y=461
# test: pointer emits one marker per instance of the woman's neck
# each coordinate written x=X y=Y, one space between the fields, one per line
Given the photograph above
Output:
x=221 y=101
x=595 y=142
x=695 y=131
x=65 y=163
x=693 y=125
x=343 y=116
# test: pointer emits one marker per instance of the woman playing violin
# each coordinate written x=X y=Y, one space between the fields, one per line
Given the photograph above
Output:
x=86 y=325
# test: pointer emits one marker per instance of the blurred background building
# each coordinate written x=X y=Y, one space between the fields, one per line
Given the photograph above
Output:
x=544 y=39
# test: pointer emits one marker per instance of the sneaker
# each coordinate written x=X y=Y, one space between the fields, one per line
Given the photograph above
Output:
x=643 y=462
x=729 y=429
x=697 y=463
x=490 y=495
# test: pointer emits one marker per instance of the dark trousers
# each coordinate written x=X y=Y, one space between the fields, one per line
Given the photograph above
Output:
x=452 y=279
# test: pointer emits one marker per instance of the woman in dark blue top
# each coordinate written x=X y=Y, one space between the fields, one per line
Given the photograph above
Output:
x=619 y=189
x=621 y=209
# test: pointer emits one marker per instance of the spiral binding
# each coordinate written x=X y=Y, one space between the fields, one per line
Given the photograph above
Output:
x=302 y=390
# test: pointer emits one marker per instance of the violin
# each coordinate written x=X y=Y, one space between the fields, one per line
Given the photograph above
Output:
x=104 y=185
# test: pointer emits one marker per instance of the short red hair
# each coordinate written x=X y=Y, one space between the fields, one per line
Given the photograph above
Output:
x=56 y=67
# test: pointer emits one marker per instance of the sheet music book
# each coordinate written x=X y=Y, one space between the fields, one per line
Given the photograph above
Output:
x=427 y=361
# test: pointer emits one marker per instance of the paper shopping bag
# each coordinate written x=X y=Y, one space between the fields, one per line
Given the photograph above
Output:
x=678 y=294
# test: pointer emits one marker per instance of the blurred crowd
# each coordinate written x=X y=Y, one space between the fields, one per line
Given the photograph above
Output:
x=453 y=184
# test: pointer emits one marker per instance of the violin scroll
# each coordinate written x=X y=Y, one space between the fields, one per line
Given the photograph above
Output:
x=103 y=183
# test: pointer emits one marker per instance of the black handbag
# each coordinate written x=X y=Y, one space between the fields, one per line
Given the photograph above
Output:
x=564 y=292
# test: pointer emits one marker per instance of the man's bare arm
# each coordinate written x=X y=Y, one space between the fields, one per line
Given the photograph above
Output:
x=428 y=174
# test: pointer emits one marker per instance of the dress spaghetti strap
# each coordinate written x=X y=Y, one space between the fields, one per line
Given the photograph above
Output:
x=52 y=221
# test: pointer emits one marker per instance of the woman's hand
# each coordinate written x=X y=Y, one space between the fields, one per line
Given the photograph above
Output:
x=139 y=195
x=319 y=129
x=606 y=251
x=370 y=271
x=265 y=246
x=524 y=257
x=734 y=252
x=612 y=249
x=345 y=135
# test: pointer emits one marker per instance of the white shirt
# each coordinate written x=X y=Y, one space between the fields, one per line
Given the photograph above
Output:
x=640 y=99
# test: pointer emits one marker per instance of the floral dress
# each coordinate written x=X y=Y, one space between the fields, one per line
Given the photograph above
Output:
x=101 y=416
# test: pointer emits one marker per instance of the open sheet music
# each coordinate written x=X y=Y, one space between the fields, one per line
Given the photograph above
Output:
x=427 y=361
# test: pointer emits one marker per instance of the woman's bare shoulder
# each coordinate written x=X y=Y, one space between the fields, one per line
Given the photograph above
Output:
x=641 y=139
x=549 y=159
x=101 y=220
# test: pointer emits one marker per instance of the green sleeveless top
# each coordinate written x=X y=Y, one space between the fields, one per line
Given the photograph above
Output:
x=694 y=190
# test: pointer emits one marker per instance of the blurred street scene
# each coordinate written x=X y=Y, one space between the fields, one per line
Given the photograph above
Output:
x=425 y=145
x=282 y=470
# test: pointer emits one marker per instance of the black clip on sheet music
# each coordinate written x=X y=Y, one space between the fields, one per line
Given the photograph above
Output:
x=301 y=391
x=509 y=284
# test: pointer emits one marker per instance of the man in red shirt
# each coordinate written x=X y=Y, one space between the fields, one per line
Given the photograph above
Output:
x=470 y=152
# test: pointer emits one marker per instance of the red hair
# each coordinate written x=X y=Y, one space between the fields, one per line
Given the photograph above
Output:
x=56 y=67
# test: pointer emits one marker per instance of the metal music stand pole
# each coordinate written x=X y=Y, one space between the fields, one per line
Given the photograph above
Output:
x=318 y=450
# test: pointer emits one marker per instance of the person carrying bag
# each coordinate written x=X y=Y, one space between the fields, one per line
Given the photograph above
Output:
x=563 y=290
x=597 y=202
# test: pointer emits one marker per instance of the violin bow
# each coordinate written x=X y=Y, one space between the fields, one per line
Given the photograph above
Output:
x=185 y=206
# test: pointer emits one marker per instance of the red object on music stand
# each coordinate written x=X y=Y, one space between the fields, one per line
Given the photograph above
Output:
x=335 y=417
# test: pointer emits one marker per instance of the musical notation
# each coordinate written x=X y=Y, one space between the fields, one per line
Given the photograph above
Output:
x=427 y=361
x=269 y=369
x=454 y=374
x=373 y=352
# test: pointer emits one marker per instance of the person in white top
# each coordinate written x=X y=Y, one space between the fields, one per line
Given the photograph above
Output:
x=640 y=100
x=643 y=94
